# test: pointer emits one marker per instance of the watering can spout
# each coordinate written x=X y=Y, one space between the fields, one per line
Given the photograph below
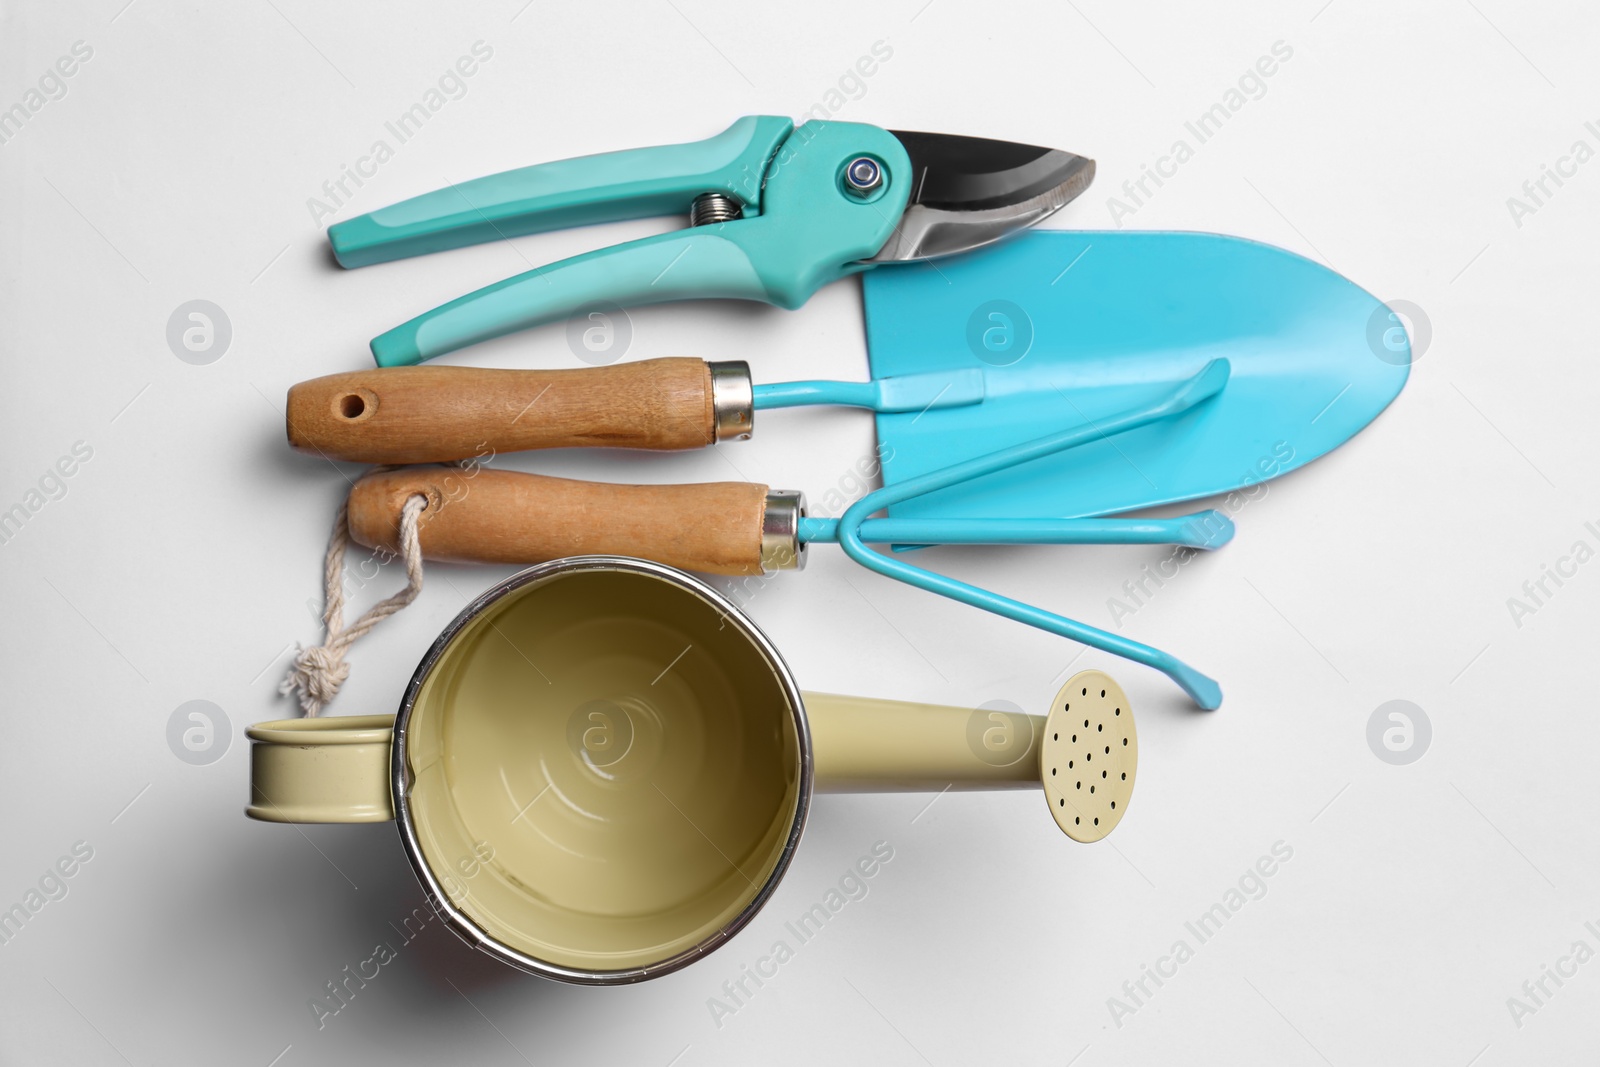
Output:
x=1083 y=752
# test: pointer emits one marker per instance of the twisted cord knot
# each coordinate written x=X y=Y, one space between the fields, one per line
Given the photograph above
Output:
x=319 y=671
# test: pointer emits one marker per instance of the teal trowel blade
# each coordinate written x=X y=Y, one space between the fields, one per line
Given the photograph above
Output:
x=1069 y=327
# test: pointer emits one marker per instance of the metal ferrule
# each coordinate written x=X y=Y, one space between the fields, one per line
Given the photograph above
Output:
x=733 y=402
x=781 y=547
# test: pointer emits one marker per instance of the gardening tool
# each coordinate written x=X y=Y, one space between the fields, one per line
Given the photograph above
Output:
x=602 y=768
x=776 y=211
x=743 y=528
x=1071 y=328
x=1093 y=323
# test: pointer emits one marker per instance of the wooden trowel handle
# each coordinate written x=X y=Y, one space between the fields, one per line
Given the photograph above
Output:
x=493 y=516
x=437 y=414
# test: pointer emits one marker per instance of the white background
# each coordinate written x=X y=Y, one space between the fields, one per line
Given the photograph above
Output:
x=180 y=562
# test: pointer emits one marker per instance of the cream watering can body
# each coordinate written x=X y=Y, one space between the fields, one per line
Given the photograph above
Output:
x=601 y=769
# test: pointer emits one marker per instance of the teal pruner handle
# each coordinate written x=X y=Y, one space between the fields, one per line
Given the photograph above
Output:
x=670 y=266
x=635 y=183
x=806 y=230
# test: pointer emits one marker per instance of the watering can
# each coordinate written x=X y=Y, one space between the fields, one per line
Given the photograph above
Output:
x=602 y=768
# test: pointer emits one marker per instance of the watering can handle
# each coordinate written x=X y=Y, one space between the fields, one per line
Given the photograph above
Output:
x=437 y=414
x=321 y=770
x=478 y=515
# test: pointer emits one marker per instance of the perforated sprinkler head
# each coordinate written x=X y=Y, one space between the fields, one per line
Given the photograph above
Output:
x=1089 y=755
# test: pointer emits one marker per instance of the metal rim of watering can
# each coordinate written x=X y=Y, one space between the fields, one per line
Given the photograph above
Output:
x=400 y=778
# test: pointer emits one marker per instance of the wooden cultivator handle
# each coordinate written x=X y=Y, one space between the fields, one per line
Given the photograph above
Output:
x=493 y=516
x=437 y=414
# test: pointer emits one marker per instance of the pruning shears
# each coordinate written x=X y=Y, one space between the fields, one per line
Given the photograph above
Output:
x=776 y=211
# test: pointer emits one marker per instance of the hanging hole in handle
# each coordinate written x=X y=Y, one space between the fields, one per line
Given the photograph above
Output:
x=357 y=405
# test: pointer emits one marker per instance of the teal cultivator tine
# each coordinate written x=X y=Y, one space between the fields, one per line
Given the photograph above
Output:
x=1206 y=530
x=1210 y=380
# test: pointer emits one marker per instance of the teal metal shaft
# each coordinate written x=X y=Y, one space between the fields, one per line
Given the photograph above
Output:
x=1203 y=530
x=799 y=394
x=906 y=392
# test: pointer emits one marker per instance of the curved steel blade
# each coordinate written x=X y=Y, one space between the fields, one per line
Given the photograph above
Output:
x=972 y=190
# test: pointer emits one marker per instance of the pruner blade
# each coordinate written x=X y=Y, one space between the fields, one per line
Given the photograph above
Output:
x=970 y=191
